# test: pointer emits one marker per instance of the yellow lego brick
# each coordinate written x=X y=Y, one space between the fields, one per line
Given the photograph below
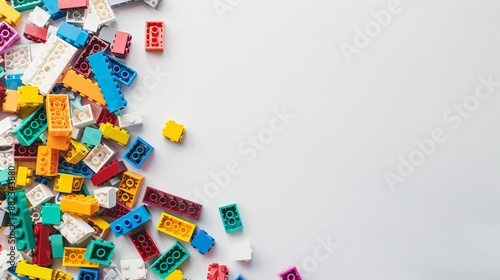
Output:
x=74 y=256
x=67 y=183
x=76 y=152
x=129 y=187
x=61 y=275
x=175 y=275
x=9 y=14
x=100 y=226
x=29 y=97
x=11 y=100
x=23 y=176
x=173 y=131
x=175 y=227
x=84 y=86
x=110 y=131
x=58 y=115
x=79 y=204
x=47 y=161
x=33 y=271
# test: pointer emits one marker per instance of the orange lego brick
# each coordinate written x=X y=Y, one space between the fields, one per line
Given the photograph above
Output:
x=11 y=101
x=84 y=86
x=74 y=256
x=79 y=204
x=67 y=183
x=58 y=115
x=58 y=142
x=47 y=161
x=129 y=187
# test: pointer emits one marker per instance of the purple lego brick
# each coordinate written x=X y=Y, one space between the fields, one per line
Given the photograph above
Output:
x=8 y=36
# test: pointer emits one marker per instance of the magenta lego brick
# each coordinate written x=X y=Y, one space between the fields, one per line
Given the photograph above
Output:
x=8 y=36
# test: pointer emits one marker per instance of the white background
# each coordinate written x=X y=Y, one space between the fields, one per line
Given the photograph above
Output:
x=323 y=175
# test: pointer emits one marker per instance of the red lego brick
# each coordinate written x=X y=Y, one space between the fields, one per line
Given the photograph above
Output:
x=121 y=44
x=144 y=244
x=73 y=4
x=112 y=169
x=217 y=272
x=106 y=117
x=94 y=45
x=172 y=203
x=35 y=33
x=116 y=212
x=154 y=35
x=27 y=153
x=42 y=255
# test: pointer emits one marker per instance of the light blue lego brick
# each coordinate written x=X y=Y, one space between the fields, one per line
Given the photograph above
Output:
x=202 y=242
x=130 y=221
x=100 y=64
x=138 y=152
x=52 y=7
x=79 y=169
x=91 y=137
x=88 y=274
x=31 y=127
x=72 y=34
x=170 y=260
x=14 y=81
x=122 y=72
x=241 y=278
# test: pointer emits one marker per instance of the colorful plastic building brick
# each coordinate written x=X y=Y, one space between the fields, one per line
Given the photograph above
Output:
x=39 y=17
x=175 y=227
x=103 y=11
x=175 y=275
x=57 y=245
x=13 y=81
x=79 y=169
x=100 y=226
x=116 y=212
x=9 y=14
x=91 y=25
x=52 y=7
x=17 y=59
x=134 y=269
x=231 y=218
x=76 y=16
x=7 y=142
x=106 y=196
x=76 y=152
x=58 y=142
x=122 y=72
x=23 y=176
x=79 y=204
x=290 y=273
x=152 y=3
x=100 y=251
x=121 y=44
x=20 y=217
x=130 y=186
x=68 y=183
x=22 y=6
x=83 y=118
x=110 y=131
x=84 y=86
x=91 y=137
x=202 y=242
x=47 y=161
x=33 y=271
x=107 y=34
x=138 y=152
x=51 y=214
x=44 y=72
x=31 y=127
x=240 y=277
x=72 y=34
x=131 y=119
x=42 y=253
x=73 y=4
x=74 y=228
x=35 y=33
x=144 y=243
x=26 y=153
x=5 y=178
x=61 y=275
x=113 y=169
x=172 y=203
x=170 y=260
x=173 y=131
x=98 y=156
x=130 y=221
x=154 y=35
x=29 y=97
x=242 y=252
x=11 y=101
x=106 y=117
x=217 y=272
x=111 y=273
x=81 y=65
x=74 y=256
x=59 y=117
x=39 y=194
x=88 y=274
x=9 y=36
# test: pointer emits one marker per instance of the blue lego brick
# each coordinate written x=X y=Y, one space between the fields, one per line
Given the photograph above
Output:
x=91 y=137
x=99 y=251
x=88 y=274
x=13 y=81
x=170 y=260
x=130 y=221
x=80 y=169
x=202 y=242
x=57 y=245
x=138 y=152
x=107 y=82
x=122 y=72
x=21 y=219
x=31 y=127
x=241 y=278
x=72 y=34
x=52 y=7
x=231 y=218
x=5 y=177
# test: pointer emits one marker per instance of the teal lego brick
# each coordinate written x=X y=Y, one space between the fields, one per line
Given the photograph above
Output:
x=5 y=177
x=91 y=137
x=100 y=251
x=170 y=260
x=231 y=218
x=57 y=245
x=51 y=214
x=25 y=5
x=31 y=127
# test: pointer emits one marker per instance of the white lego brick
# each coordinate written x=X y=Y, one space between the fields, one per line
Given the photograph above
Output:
x=8 y=276
x=98 y=157
x=39 y=195
x=103 y=11
x=112 y=273
x=5 y=126
x=6 y=141
x=91 y=24
x=106 y=196
x=76 y=16
x=130 y=120
x=77 y=133
x=39 y=17
x=36 y=214
x=15 y=121
x=5 y=258
x=51 y=30
x=115 y=3
x=107 y=34
x=6 y=160
x=17 y=59
x=74 y=228
x=46 y=68
x=242 y=252
x=133 y=269
x=152 y=3
x=83 y=118
x=36 y=49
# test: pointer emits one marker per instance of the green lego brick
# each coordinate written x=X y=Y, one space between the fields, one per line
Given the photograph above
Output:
x=31 y=127
x=51 y=214
x=100 y=251
x=21 y=219
x=24 y=5
x=231 y=218
x=170 y=260
x=56 y=242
